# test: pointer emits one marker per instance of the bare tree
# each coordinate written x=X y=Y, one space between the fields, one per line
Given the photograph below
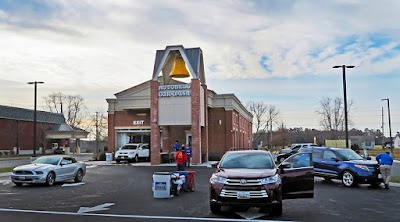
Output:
x=265 y=116
x=75 y=106
x=332 y=114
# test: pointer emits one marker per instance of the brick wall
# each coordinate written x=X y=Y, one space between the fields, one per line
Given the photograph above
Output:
x=15 y=133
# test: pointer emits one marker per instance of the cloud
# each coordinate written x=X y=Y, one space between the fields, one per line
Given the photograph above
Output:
x=102 y=47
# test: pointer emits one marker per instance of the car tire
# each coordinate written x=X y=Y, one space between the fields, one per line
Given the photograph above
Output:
x=348 y=179
x=276 y=209
x=136 y=159
x=79 y=176
x=215 y=208
x=281 y=159
x=50 y=179
x=118 y=161
x=18 y=184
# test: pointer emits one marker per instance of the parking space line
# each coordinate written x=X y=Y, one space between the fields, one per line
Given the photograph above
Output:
x=134 y=216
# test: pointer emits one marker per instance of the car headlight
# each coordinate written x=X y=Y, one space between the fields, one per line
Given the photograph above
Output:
x=39 y=172
x=217 y=179
x=363 y=167
x=273 y=179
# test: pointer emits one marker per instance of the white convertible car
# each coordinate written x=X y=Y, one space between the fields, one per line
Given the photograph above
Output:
x=48 y=170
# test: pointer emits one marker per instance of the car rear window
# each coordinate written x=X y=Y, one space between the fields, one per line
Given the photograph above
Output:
x=249 y=160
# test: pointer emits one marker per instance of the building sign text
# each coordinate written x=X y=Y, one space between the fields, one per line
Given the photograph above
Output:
x=174 y=90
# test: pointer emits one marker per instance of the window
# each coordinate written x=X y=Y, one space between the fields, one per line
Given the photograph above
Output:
x=249 y=160
x=66 y=161
x=317 y=153
x=328 y=154
x=299 y=160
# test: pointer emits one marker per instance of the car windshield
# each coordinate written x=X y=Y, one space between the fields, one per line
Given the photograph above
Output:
x=129 y=147
x=254 y=160
x=47 y=160
x=348 y=154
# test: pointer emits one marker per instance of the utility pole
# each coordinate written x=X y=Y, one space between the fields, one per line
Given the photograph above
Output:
x=390 y=128
x=34 y=114
x=97 y=132
x=345 y=100
x=383 y=132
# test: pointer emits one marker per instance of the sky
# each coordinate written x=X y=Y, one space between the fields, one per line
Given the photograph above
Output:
x=280 y=52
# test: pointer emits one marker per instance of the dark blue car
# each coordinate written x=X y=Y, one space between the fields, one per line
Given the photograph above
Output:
x=344 y=164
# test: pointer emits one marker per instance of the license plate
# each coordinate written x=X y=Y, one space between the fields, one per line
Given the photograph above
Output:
x=122 y=157
x=21 y=178
x=243 y=195
x=380 y=176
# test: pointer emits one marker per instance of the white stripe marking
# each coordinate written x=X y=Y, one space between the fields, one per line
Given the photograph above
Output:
x=72 y=184
x=134 y=216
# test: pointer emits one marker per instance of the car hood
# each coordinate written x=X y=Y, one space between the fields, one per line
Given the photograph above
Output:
x=34 y=167
x=245 y=173
x=364 y=162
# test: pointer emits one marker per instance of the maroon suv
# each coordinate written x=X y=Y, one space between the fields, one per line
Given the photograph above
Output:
x=250 y=178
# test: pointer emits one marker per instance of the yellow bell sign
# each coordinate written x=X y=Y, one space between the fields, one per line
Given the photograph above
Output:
x=179 y=70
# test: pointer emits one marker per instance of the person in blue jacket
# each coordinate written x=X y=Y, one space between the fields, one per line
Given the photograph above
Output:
x=385 y=163
x=177 y=146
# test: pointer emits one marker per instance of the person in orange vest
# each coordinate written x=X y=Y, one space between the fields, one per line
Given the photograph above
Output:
x=181 y=159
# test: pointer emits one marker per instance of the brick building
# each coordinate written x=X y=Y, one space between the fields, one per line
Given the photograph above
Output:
x=16 y=131
x=163 y=110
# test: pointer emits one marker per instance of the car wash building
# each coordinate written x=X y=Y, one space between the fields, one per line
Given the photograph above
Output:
x=176 y=105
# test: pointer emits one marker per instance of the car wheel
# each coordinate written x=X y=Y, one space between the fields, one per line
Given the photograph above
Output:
x=276 y=209
x=136 y=159
x=118 y=161
x=215 y=208
x=18 y=184
x=79 y=176
x=348 y=179
x=50 y=179
x=281 y=159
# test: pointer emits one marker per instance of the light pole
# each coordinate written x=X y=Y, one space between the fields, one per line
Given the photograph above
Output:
x=345 y=100
x=34 y=116
x=390 y=128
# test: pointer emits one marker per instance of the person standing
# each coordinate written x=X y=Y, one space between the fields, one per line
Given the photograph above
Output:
x=385 y=163
x=181 y=159
x=188 y=151
x=177 y=147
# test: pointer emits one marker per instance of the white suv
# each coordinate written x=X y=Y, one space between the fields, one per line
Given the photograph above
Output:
x=132 y=152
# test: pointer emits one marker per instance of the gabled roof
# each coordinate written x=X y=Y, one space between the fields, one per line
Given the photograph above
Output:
x=65 y=128
x=8 y=112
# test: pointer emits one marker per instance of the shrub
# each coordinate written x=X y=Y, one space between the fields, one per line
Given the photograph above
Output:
x=1 y=154
x=102 y=156
x=12 y=152
x=99 y=156
x=5 y=153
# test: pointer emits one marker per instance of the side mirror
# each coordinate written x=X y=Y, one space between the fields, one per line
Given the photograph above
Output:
x=285 y=165
x=334 y=159
x=214 y=165
x=368 y=158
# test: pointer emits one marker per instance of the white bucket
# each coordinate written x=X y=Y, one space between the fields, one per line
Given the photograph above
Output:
x=161 y=185
x=109 y=157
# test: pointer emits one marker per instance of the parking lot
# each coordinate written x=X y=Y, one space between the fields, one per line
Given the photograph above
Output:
x=123 y=193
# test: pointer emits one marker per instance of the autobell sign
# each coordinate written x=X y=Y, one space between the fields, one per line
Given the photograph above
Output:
x=174 y=90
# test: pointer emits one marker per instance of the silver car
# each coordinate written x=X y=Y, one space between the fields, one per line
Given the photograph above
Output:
x=48 y=170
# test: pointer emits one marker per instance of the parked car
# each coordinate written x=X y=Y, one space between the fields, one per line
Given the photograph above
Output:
x=294 y=148
x=59 y=150
x=344 y=164
x=250 y=178
x=132 y=152
x=48 y=170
